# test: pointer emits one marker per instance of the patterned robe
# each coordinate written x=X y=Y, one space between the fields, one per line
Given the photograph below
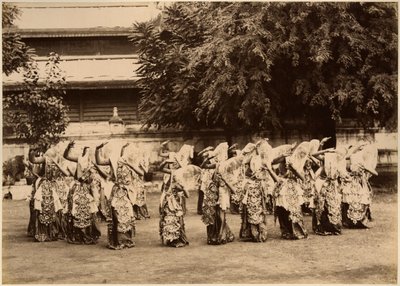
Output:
x=124 y=196
x=47 y=204
x=356 y=200
x=288 y=198
x=214 y=212
x=327 y=217
x=172 y=225
x=82 y=209
x=254 y=212
x=308 y=187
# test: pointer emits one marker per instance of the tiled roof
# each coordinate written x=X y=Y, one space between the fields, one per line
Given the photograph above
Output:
x=98 y=72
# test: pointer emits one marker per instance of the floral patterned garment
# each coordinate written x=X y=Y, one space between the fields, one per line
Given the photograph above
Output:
x=357 y=193
x=83 y=204
x=210 y=202
x=308 y=185
x=52 y=172
x=47 y=214
x=289 y=195
x=46 y=196
x=238 y=191
x=206 y=176
x=62 y=191
x=329 y=197
x=172 y=228
x=255 y=201
x=254 y=212
x=123 y=208
x=131 y=180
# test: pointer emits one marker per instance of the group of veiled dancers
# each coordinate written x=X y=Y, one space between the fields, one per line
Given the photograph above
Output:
x=74 y=192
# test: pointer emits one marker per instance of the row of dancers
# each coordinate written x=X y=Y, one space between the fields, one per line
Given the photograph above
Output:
x=76 y=188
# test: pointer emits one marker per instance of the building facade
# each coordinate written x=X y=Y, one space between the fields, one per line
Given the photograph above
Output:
x=100 y=64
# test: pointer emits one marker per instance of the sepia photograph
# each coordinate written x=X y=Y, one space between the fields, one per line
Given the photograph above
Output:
x=199 y=142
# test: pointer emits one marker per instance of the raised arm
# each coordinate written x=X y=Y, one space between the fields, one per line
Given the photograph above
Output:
x=355 y=149
x=207 y=164
x=319 y=172
x=71 y=172
x=322 y=143
x=272 y=173
x=166 y=170
x=101 y=172
x=123 y=148
x=208 y=149
x=227 y=183
x=164 y=163
x=67 y=154
x=64 y=171
x=373 y=172
x=30 y=168
x=136 y=169
x=35 y=159
x=180 y=163
x=314 y=160
x=321 y=152
x=280 y=159
x=99 y=160
x=164 y=152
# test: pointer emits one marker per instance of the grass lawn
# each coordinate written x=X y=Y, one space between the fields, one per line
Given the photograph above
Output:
x=356 y=256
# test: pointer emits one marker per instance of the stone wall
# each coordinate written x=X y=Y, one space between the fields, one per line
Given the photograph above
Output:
x=91 y=134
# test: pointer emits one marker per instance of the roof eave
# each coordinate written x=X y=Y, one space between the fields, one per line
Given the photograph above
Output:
x=69 y=33
x=76 y=85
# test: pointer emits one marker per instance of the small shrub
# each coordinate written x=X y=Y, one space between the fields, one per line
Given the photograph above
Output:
x=13 y=170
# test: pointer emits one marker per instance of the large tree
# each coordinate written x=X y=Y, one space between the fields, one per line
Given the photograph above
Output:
x=169 y=90
x=15 y=52
x=250 y=66
x=37 y=113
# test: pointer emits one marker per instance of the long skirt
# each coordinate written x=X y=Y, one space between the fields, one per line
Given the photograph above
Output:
x=118 y=239
x=308 y=193
x=288 y=200
x=172 y=224
x=32 y=215
x=45 y=231
x=254 y=213
x=82 y=226
x=61 y=218
x=200 y=203
x=290 y=229
x=141 y=212
x=140 y=208
x=83 y=235
x=206 y=176
x=327 y=218
x=214 y=216
x=236 y=197
x=62 y=224
x=105 y=208
x=362 y=211
x=356 y=201
x=219 y=232
x=47 y=207
x=250 y=231
x=121 y=231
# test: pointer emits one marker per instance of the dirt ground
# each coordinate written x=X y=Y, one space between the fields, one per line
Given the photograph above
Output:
x=356 y=256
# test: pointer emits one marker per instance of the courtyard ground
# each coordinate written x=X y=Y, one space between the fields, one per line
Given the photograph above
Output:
x=356 y=256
